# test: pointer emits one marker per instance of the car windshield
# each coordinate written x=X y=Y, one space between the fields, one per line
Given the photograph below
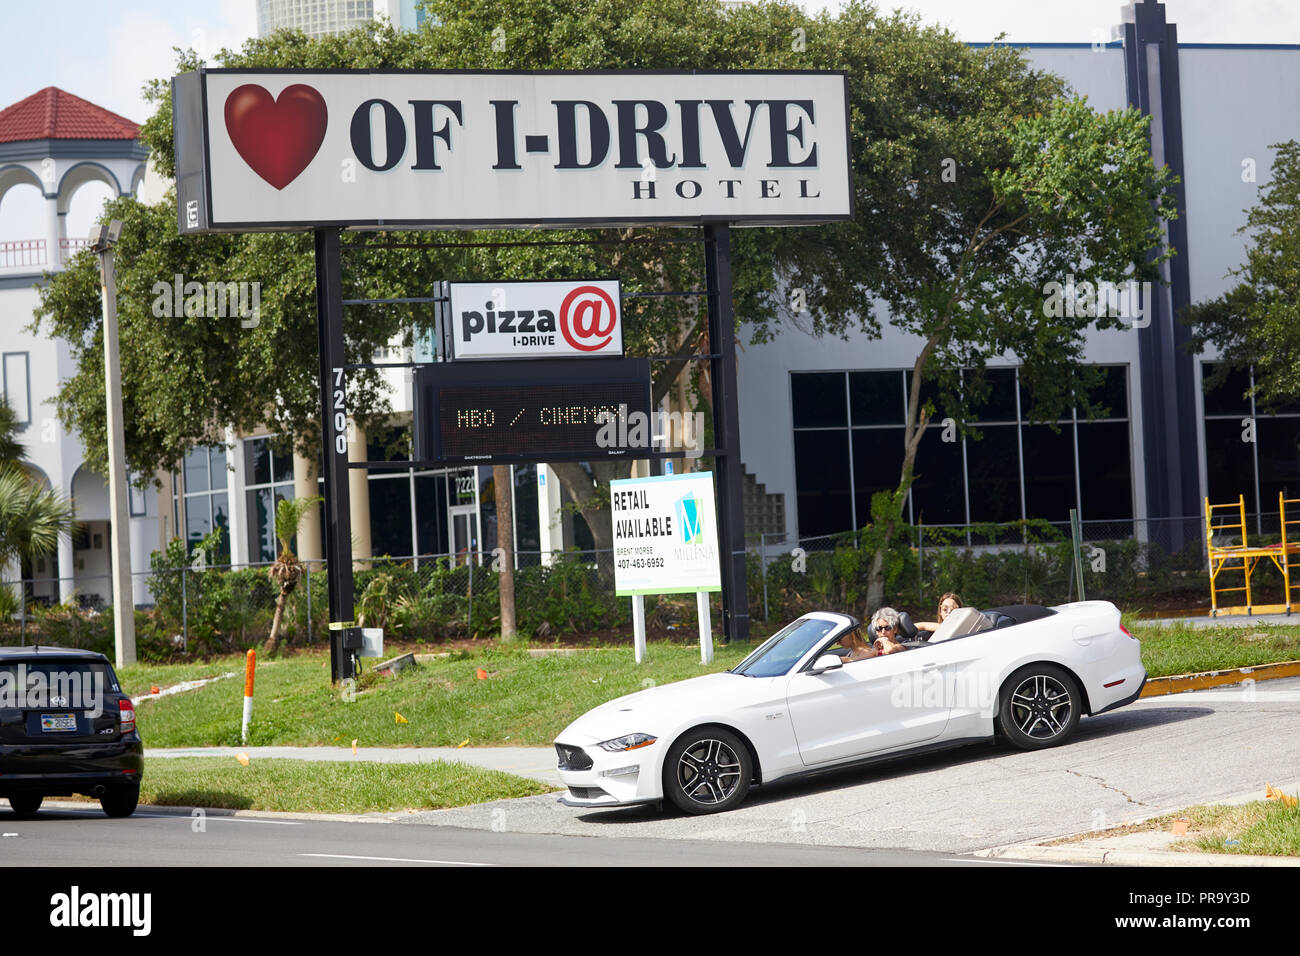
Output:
x=784 y=648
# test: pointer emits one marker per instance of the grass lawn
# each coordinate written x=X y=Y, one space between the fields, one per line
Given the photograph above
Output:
x=1260 y=828
x=301 y=786
x=1181 y=649
x=526 y=700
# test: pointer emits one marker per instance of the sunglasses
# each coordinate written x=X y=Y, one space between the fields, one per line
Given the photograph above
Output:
x=885 y=627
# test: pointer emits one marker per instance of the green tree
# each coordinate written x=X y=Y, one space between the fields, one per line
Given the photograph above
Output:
x=975 y=184
x=1257 y=321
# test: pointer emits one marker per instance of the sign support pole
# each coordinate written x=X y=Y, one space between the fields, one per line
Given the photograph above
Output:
x=706 y=626
x=726 y=432
x=334 y=424
x=638 y=626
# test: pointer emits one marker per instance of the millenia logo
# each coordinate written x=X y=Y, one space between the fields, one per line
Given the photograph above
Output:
x=213 y=300
x=76 y=909
x=688 y=520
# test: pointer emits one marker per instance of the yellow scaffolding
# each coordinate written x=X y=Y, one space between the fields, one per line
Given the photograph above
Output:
x=1230 y=552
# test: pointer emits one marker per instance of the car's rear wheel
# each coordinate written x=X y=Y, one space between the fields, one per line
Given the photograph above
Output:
x=120 y=801
x=26 y=804
x=707 y=770
x=1039 y=706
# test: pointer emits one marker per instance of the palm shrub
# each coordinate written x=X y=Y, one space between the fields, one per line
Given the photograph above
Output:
x=287 y=569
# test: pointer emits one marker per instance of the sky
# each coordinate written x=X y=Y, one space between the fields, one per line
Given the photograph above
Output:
x=105 y=52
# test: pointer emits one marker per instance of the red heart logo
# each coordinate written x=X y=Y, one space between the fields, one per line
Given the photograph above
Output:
x=276 y=137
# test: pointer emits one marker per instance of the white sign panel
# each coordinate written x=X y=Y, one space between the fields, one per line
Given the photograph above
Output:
x=507 y=320
x=665 y=534
x=296 y=149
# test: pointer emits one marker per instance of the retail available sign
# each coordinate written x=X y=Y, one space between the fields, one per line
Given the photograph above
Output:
x=563 y=319
x=665 y=534
x=289 y=149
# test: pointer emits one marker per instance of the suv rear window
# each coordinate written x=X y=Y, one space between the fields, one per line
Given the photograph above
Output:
x=74 y=684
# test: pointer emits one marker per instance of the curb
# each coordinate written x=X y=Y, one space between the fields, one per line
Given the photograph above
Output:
x=1176 y=684
x=1103 y=856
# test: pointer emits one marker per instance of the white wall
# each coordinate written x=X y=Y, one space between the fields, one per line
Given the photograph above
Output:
x=1237 y=103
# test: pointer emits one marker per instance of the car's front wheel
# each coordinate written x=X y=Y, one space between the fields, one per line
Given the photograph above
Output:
x=1039 y=706
x=120 y=801
x=26 y=804
x=707 y=770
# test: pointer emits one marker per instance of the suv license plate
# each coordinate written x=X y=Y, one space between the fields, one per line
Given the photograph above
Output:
x=58 y=723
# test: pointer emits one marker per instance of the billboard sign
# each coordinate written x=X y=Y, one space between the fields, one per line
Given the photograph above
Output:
x=510 y=320
x=299 y=149
x=665 y=534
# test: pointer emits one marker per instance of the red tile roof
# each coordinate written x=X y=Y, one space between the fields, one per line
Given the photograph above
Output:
x=55 y=114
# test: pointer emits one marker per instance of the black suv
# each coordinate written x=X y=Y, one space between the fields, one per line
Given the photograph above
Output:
x=66 y=727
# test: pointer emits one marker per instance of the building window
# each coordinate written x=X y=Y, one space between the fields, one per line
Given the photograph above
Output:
x=1250 y=450
x=17 y=386
x=136 y=499
x=848 y=445
x=268 y=479
x=207 y=503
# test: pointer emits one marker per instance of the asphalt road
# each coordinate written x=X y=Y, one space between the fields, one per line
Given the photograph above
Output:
x=1158 y=754
x=62 y=837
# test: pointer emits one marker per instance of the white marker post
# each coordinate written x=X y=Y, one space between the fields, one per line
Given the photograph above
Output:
x=638 y=626
x=250 y=664
x=706 y=626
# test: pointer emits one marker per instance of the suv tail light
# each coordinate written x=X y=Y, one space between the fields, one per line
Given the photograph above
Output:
x=127 y=714
x=1127 y=632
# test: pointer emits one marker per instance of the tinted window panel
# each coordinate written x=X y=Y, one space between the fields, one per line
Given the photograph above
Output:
x=937 y=493
x=390 y=516
x=1228 y=398
x=877 y=463
x=257 y=461
x=994 y=464
x=1049 y=472
x=1229 y=463
x=1112 y=393
x=1000 y=405
x=821 y=475
x=1279 y=463
x=196 y=470
x=1105 y=471
x=876 y=398
x=818 y=399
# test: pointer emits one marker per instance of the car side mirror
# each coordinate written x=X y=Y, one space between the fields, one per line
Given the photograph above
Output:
x=827 y=662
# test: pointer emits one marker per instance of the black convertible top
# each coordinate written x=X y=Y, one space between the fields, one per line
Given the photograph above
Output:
x=1019 y=613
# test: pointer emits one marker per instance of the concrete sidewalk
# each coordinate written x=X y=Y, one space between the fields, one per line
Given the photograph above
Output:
x=537 y=763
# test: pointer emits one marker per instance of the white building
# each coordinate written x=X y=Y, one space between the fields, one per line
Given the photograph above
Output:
x=56 y=142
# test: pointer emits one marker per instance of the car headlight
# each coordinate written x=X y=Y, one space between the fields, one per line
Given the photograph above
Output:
x=628 y=742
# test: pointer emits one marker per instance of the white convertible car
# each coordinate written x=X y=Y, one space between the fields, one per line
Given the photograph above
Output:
x=805 y=701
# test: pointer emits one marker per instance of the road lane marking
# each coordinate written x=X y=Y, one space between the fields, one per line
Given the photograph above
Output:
x=393 y=859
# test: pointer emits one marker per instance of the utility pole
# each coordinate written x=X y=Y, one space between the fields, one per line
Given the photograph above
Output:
x=102 y=239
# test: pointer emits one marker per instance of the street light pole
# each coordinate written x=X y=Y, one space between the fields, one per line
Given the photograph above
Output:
x=102 y=240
